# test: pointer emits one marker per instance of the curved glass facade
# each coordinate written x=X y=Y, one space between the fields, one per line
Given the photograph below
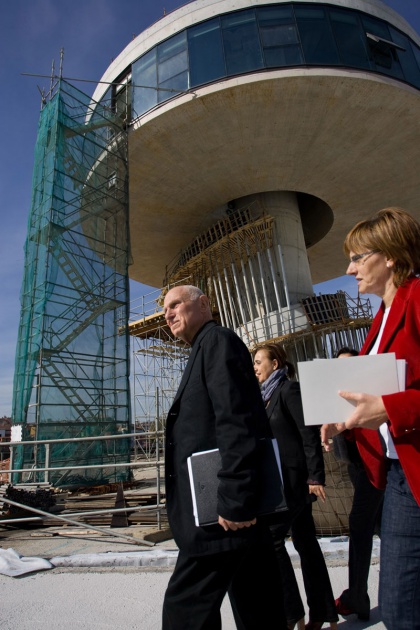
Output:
x=267 y=37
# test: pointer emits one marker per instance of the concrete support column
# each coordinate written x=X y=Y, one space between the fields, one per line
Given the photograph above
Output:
x=288 y=254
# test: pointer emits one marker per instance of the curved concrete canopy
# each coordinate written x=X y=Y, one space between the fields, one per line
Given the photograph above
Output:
x=346 y=137
x=352 y=139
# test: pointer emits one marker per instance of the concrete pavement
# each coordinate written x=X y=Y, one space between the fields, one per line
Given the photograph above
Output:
x=85 y=560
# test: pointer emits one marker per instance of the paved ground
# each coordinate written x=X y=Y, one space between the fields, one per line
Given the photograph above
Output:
x=100 y=581
x=64 y=540
x=103 y=600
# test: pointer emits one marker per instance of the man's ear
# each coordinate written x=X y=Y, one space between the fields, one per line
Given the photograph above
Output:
x=204 y=302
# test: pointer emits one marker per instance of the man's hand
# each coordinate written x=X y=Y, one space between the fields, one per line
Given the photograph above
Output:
x=233 y=525
x=370 y=412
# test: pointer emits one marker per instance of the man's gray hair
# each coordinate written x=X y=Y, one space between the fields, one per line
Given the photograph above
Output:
x=193 y=292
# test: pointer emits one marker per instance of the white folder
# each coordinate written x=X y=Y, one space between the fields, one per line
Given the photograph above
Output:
x=322 y=379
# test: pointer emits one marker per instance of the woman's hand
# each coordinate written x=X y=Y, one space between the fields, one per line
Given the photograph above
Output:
x=369 y=413
x=328 y=431
x=318 y=490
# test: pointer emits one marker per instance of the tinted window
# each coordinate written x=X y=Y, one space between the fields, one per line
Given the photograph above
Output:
x=172 y=61
x=350 y=39
x=406 y=57
x=416 y=52
x=144 y=73
x=173 y=86
x=206 y=53
x=241 y=42
x=279 y=36
x=272 y=36
x=316 y=36
x=383 y=56
x=376 y=27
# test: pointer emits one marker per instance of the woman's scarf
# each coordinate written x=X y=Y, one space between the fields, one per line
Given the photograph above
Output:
x=268 y=387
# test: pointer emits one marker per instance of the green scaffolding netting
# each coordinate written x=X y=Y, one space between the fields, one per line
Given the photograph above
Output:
x=72 y=358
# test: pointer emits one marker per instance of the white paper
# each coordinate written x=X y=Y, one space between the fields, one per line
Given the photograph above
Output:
x=321 y=379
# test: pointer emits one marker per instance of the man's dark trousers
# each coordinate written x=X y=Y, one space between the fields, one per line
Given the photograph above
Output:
x=199 y=584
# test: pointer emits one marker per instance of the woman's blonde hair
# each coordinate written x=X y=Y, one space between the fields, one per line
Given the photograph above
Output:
x=393 y=232
x=276 y=351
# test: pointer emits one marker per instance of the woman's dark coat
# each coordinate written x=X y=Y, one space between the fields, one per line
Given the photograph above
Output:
x=299 y=445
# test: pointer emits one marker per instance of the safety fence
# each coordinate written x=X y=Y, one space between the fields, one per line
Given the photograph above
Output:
x=34 y=479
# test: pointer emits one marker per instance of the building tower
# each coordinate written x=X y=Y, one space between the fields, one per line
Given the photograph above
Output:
x=259 y=133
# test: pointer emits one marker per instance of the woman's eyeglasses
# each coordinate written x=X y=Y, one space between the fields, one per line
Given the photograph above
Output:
x=358 y=257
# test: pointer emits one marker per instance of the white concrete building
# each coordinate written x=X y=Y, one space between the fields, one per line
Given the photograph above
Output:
x=260 y=131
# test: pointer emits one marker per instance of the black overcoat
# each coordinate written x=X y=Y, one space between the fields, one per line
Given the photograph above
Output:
x=218 y=405
x=299 y=445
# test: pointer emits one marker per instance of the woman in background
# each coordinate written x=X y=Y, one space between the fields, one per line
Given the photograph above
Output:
x=384 y=253
x=304 y=478
x=364 y=521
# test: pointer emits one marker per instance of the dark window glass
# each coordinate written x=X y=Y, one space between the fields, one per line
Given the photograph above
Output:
x=172 y=60
x=383 y=55
x=376 y=27
x=416 y=53
x=406 y=57
x=172 y=66
x=206 y=53
x=350 y=39
x=275 y=15
x=241 y=42
x=173 y=86
x=268 y=37
x=316 y=36
x=286 y=56
x=172 y=47
x=144 y=79
x=279 y=36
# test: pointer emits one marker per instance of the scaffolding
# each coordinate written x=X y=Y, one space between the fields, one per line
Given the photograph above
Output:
x=158 y=363
x=72 y=357
x=159 y=359
x=231 y=263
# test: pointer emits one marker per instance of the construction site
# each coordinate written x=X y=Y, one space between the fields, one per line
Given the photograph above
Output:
x=119 y=194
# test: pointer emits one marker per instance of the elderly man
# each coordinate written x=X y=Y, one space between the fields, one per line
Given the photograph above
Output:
x=218 y=405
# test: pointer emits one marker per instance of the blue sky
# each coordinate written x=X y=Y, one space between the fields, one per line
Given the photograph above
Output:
x=92 y=33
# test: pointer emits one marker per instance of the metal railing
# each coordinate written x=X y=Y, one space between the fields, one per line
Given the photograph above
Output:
x=157 y=463
x=47 y=468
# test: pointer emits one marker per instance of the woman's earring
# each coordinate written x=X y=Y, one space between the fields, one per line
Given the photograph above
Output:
x=388 y=264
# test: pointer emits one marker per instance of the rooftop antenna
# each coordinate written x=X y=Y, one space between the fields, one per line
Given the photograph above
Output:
x=52 y=77
x=61 y=62
x=43 y=99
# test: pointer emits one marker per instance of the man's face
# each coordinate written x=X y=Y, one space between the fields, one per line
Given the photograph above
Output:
x=183 y=315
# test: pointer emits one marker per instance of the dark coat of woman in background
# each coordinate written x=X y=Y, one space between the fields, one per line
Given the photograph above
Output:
x=304 y=478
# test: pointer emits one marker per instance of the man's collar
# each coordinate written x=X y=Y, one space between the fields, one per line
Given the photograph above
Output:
x=210 y=321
